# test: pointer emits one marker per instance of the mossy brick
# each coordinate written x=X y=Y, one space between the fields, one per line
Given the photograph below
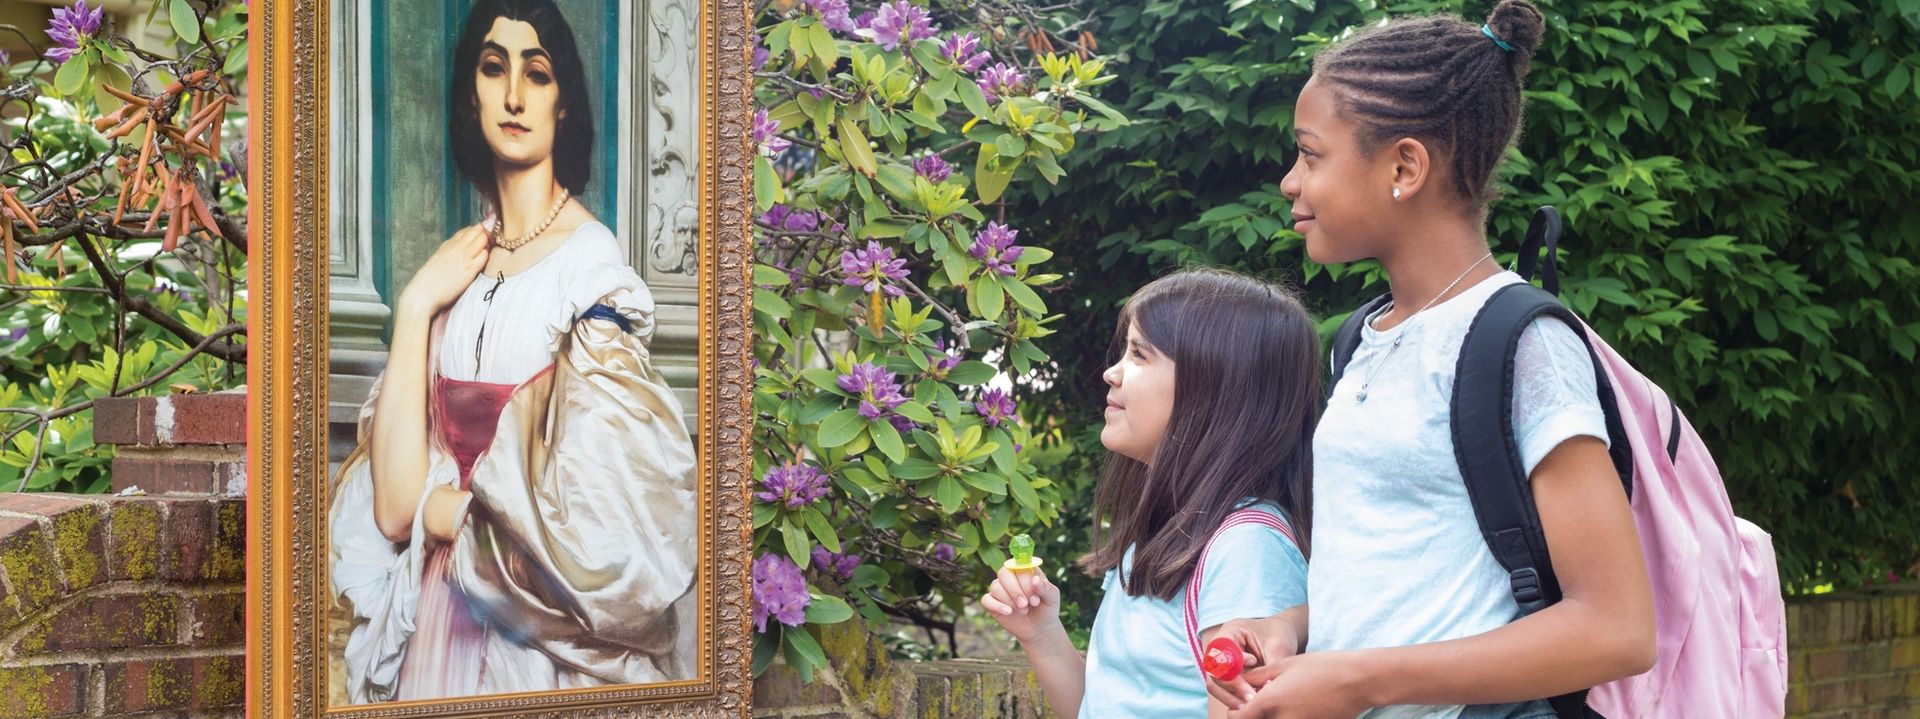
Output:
x=219 y=682
x=134 y=530
x=112 y=621
x=781 y=686
x=187 y=542
x=80 y=540
x=227 y=556
x=217 y=620
x=27 y=560
x=930 y=691
x=1905 y=654
x=865 y=668
x=149 y=685
x=42 y=692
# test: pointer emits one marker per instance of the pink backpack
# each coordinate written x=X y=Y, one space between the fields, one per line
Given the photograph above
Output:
x=1719 y=618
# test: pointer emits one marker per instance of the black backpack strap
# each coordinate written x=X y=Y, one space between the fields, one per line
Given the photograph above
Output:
x=1347 y=338
x=1543 y=230
x=1489 y=454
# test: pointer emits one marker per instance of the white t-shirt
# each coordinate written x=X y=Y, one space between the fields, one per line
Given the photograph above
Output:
x=1398 y=558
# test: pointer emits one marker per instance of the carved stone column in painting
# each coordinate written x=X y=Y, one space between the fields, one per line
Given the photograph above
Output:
x=664 y=213
x=359 y=315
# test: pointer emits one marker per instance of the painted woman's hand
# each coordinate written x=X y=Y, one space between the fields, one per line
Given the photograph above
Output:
x=445 y=275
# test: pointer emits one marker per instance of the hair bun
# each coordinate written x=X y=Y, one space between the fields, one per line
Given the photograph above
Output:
x=1520 y=24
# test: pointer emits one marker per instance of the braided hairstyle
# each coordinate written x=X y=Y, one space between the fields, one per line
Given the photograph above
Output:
x=1440 y=80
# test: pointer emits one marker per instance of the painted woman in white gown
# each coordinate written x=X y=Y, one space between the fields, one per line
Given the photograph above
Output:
x=520 y=513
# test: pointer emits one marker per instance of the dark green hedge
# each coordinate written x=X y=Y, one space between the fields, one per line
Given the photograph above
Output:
x=1739 y=180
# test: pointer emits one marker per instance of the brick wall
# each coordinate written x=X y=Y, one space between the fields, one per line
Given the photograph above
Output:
x=114 y=605
x=1855 y=655
x=865 y=683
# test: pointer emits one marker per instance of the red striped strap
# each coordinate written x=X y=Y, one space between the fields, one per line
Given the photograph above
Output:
x=1240 y=517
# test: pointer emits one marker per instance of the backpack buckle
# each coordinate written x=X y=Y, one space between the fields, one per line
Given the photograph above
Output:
x=1526 y=590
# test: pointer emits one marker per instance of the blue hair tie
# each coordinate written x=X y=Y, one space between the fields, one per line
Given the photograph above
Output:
x=1488 y=31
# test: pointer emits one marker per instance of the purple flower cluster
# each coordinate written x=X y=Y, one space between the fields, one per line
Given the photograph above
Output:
x=947 y=360
x=871 y=267
x=779 y=591
x=796 y=485
x=68 y=26
x=943 y=552
x=833 y=14
x=760 y=54
x=782 y=217
x=899 y=22
x=878 y=389
x=994 y=246
x=932 y=167
x=995 y=407
x=964 y=50
x=1001 y=79
x=766 y=133
x=841 y=565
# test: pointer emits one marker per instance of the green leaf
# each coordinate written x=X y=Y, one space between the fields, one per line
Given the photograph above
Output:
x=888 y=439
x=971 y=372
x=1680 y=99
x=766 y=183
x=986 y=297
x=1897 y=80
x=897 y=181
x=1101 y=107
x=185 y=23
x=854 y=147
x=820 y=45
x=840 y=428
x=801 y=643
x=974 y=99
x=989 y=179
x=989 y=483
x=71 y=77
x=823 y=378
x=766 y=647
x=828 y=609
x=1024 y=295
x=798 y=548
x=949 y=494
x=770 y=276
x=822 y=529
x=1010 y=146
x=236 y=59
x=915 y=411
x=769 y=303
x=915 y=469
x=1023 y=491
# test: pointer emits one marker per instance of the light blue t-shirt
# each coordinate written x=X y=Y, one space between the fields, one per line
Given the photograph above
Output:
x=1139 y=663
x=1398 y=558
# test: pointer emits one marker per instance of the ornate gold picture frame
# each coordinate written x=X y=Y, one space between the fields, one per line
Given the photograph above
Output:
x=354 y=188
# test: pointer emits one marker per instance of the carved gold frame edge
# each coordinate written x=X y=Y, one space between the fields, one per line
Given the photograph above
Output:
x=287 y=420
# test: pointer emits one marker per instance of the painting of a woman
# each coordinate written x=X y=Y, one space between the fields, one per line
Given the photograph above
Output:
x=521 y=511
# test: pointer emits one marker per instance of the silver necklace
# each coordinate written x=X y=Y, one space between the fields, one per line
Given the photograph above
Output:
x=1362 y=396
x=493 y=231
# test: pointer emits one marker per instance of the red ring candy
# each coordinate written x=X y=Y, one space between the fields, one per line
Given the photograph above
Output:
x=1222 y=659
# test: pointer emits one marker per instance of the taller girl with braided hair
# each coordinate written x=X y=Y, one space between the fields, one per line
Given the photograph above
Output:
x=1409 y=614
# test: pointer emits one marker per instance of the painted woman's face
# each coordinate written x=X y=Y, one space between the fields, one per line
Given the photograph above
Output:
x=517 y=94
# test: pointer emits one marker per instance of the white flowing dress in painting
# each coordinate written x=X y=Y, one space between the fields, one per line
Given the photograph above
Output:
x=575 y=567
